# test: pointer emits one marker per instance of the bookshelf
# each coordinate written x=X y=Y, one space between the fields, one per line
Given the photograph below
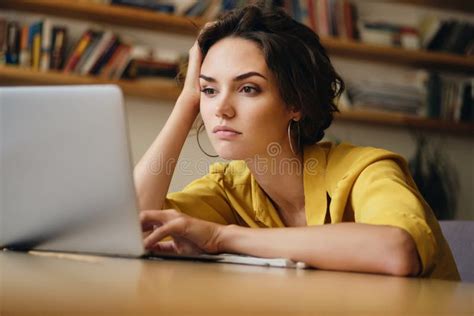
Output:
x=156 y=21
x=459 y=5
x=167 y=89
x=112 y=14
x=164 y=89
x=417 y=58
x=406 y=121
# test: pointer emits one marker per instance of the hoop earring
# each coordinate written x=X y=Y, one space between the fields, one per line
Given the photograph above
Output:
x=199 y=143
x=290 y=139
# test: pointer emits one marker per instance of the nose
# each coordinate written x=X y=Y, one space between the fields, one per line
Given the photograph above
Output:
x=224 y=106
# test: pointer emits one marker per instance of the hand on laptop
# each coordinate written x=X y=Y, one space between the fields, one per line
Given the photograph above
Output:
x=190 y=235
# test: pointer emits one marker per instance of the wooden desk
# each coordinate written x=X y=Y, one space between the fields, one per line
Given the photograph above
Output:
x=37 y=284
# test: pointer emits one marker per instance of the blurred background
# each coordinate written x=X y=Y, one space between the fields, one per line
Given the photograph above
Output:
x=408 y=66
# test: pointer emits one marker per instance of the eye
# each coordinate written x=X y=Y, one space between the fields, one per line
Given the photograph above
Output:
x=249 y=89
x=208 y=91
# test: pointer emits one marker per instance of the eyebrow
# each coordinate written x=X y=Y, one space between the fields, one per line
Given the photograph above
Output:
x=238 y=78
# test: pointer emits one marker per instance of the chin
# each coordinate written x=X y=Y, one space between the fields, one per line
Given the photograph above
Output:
x=230 y=152
x=229 y=155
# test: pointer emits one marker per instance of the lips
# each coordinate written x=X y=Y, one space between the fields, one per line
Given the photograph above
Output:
x=225 y=129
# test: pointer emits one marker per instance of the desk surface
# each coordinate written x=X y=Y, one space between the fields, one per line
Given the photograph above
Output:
x=46 y=284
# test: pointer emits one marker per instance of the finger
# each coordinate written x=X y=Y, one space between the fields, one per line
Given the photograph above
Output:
x=151 y=218
x=186 y=247
x=206 y=26
x=175 y=227
x=194 y=64
x=164 y=246
x=146 y=233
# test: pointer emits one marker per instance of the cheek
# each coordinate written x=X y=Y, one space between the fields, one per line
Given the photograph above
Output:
x=205 y=110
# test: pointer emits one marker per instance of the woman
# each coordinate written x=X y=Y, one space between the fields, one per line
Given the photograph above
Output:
x=265 y=89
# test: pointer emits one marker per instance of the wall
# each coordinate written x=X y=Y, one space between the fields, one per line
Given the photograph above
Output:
x=147 y=116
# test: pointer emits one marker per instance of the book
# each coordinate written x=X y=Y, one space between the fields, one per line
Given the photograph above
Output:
x=109 y=69
x=454 y=35
x=138 y=68
x=311 y=15
x=77 y=52
x=183 y=5
x=227 y=5
x=460 y=38
x=98 y=51
x=199 y=8
x=339 y=23
x=131 y=53
x=3 y=39
x=458 y=101
x=428 y=28
x=95 y=38
x=469 y=50
x=147 y=5
x=322 y=17
x=25 y=54
x=212 y=10
x=104 y=59
x=331 y=13
x=46 y=45
x=349 y=19
x=122 y=62
x=287 y=7
x=304 y=12
x=377 y=33
x=35 y=44
x=58 y=47
x=441 y=35
x=12 y=55
x=408 y=97
x=467 y=108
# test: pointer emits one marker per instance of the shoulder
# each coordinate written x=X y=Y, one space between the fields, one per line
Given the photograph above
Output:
x=230 y=173
x=222 y=177
x=343 y=158
x=346 y=161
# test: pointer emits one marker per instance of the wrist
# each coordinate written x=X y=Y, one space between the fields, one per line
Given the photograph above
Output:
x=226 y=237
x=189 y=102
x=185 y=113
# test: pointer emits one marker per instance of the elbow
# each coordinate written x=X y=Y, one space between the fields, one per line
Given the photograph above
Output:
x=403 y=259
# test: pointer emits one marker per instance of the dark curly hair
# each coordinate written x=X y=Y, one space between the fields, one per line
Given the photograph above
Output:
x=305 y=76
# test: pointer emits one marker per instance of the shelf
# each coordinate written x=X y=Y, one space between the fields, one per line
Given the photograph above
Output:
x=442 y=61
x=112 y=14
x=167 y=89
x=164 y=89
x=407 y=121
x=144 y=19
x=459 y=5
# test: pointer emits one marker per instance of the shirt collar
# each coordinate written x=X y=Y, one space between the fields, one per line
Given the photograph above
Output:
x=314 y=160
x=263 y=207
x=314 y=166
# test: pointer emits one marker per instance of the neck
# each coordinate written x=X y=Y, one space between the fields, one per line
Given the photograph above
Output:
x=281 y=177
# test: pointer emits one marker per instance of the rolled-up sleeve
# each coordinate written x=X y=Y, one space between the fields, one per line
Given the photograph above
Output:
x=381 y=195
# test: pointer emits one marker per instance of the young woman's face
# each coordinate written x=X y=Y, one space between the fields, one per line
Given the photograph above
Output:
x=240 y=103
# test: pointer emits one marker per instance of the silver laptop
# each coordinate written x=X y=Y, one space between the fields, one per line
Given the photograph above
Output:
x=66 y=175
x=65 y=171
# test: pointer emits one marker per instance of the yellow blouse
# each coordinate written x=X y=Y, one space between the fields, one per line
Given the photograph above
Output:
x=364 y=185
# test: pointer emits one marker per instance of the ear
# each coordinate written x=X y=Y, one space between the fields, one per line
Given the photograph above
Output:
x=295 y=114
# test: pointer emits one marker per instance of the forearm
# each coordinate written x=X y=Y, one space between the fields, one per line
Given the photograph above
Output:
x=154 y=171
x=344 y=247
